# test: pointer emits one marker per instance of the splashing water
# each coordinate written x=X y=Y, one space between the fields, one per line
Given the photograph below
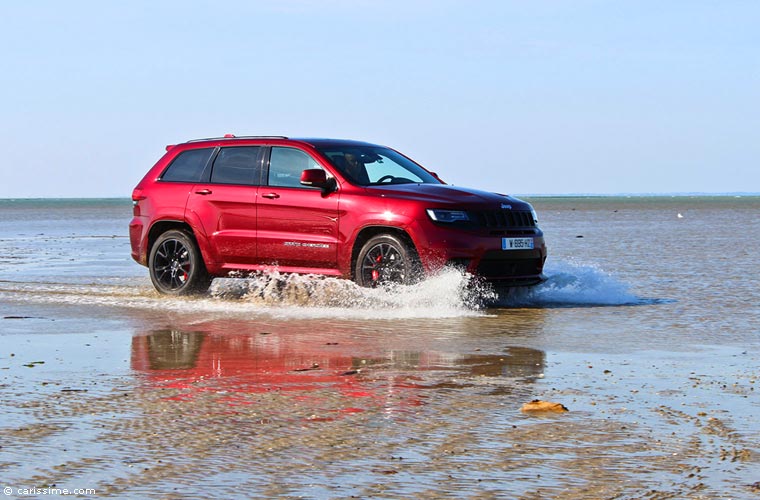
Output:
x=569 y=285
x=449 y=293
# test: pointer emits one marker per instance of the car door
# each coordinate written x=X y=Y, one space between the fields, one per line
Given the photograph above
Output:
x=225 y=205
x=297 y=226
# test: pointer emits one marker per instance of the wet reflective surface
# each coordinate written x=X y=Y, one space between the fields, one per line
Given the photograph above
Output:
x=306 y=388
x=265 y=361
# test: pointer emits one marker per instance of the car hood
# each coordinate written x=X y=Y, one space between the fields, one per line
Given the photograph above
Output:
x=454 y=196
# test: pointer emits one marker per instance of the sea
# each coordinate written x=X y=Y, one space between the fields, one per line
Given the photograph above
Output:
x=647 y=330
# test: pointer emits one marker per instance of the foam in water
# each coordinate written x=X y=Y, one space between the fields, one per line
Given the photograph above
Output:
x=570 y=284
x=449 y=293
x=446 y=294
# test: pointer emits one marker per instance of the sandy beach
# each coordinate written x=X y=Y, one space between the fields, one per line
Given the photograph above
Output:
x=110 y=390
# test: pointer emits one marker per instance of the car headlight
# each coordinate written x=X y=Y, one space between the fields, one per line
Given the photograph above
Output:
x=535 y=215
x=441 y=215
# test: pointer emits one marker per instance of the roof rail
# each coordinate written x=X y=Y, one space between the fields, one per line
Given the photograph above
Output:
x=230 y=136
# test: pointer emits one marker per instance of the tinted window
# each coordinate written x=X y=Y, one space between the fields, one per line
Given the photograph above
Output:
x=237 y=165
x=286 y=165
x=187 y=166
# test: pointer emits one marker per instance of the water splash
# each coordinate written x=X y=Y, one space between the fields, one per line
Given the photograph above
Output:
x=449 y=293
x=570 y=285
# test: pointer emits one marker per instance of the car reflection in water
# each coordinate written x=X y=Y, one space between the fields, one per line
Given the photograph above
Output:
x=193 y=362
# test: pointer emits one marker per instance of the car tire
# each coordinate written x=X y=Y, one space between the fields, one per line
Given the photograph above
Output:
x=385 y=260
x=176 y=265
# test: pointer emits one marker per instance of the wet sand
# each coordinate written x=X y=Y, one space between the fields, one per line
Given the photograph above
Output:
x=223 y=408
x=649 y=338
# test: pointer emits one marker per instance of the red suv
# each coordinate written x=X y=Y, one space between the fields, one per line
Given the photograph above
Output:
x=321 y=206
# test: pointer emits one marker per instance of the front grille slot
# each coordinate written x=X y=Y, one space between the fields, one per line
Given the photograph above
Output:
x=505 y=268
x=504 y=219
x=497 y=265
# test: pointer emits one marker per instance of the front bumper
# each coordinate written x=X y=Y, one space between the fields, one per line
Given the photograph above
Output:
x=480 y=254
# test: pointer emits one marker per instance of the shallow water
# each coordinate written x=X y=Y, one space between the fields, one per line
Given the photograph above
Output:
x=301 y=387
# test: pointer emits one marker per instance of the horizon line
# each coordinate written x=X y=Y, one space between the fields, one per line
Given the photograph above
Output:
x=527 y=195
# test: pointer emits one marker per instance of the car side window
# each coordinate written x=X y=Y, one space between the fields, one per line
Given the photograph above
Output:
x=187 y=166
x=286 y=165
x=237 y=165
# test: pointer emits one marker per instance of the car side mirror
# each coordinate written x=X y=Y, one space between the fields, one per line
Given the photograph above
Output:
x=316 y=177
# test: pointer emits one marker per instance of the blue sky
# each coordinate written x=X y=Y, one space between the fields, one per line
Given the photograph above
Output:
x=523 y=97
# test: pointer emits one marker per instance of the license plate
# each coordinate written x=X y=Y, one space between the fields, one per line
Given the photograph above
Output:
x=517 y=243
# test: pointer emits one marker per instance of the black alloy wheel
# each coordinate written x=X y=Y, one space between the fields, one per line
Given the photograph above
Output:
x=176 y=266
x=387 y=260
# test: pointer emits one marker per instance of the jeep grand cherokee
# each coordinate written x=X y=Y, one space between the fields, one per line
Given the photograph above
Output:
x=339 y=208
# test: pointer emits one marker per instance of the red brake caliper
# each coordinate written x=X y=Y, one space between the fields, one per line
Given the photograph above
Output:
x=375 y=272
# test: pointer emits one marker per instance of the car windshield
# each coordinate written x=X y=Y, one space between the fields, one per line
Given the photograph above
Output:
x=375 y=166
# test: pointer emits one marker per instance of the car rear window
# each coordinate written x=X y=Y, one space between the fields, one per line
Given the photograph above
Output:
x=187 y=166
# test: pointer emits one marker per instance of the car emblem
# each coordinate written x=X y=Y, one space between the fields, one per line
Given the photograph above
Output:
x=504 y=206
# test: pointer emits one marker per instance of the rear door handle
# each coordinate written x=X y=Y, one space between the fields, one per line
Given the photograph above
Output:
x=271 y=196
x=204 y=192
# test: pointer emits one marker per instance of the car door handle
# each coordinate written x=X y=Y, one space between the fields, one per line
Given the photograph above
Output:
x=204 y=192
x=271 y=196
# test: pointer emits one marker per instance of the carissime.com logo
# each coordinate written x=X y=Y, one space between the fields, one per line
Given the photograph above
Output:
x=34 y=491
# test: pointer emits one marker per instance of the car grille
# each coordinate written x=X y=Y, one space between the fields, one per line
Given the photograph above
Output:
x=496 y=265
x=503 y=219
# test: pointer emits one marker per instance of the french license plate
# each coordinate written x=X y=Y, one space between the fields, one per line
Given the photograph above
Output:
x=517 y=243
